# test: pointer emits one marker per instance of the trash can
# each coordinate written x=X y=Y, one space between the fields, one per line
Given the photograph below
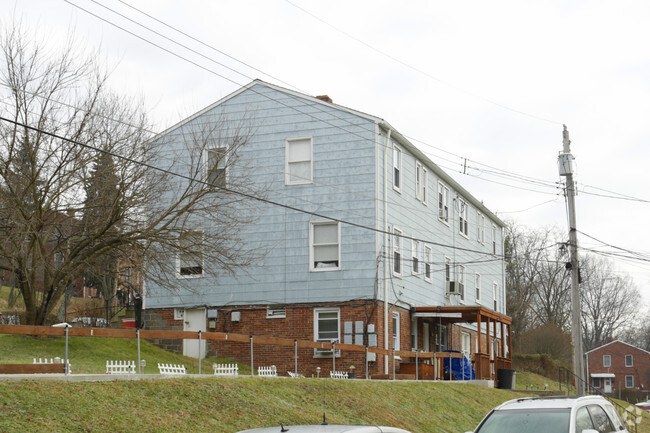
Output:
x=506 y=378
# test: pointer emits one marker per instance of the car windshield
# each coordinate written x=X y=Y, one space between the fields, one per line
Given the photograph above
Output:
x=527 y=421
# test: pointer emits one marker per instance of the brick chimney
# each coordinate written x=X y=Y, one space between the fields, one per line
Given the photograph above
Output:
x=325 y=98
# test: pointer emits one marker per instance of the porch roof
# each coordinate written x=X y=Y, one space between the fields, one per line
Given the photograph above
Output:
x=460 y=314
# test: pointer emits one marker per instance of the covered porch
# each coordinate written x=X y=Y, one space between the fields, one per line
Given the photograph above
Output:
x=490 y=348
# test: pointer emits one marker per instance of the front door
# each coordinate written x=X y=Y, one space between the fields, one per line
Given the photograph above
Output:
x=607 y=385
x=194 y=320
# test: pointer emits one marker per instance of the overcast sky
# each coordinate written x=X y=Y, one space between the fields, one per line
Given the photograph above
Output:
x=481 y=87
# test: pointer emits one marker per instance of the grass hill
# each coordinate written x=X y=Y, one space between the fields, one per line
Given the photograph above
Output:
x=220 y=405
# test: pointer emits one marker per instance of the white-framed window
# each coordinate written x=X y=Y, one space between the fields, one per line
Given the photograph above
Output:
x=179 y=313
x=629 y=381
x=427 y=262
x=494 y=239
x=416 y=256
x=629 y=361
x=327 y=328
x=460 y=277
x=189 y=260
x=397 y=168
x=298 y=161
x=463 y=223
x=396 y=331
x=466 y=344
x=324 y=251
x=276 y=312
x=477 y=286
x=216 y=166
x=443 y=203
x=420 y=182
x=447 y=270
x=607 y=360
x=480 y=227
x=495 y=296
x=397 y=252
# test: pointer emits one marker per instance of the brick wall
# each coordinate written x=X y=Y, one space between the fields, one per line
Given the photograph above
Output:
x=163 y=320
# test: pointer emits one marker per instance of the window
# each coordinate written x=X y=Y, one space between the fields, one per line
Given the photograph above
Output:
x=179 y=313
x=298 y=165
x=396 y=329
x=480 y=224
x=466 y=344
x=477 y=285
x=397 y=168
x=324 y=252
x=601 y=421
x=628 y=361
x=494 y=239
x=397 y=251
x=276 y=312
x=495 y=295
x=629 y=381
x=215 y=166
x=327 y=328
x=427 y=263
x=190 y=255
x=596 y=382
x=460 y=278
x=607 y=360
x=443 y=203
x=416 y=257
x=420 y=182
x=447 y=269
x=127 y=275
x=463 y=224
x=583 y=420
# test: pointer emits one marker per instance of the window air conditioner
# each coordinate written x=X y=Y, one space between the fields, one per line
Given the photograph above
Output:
x=454 y=288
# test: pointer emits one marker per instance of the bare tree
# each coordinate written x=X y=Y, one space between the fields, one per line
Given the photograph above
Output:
x=58 y=119
x=610 y=301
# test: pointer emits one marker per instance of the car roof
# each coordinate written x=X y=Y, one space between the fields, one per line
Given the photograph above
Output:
x=560 y=402
x=328 y=428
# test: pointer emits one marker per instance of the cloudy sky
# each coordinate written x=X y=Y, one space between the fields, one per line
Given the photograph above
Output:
x=482 y=87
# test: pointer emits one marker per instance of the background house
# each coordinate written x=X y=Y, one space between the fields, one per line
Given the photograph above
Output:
x=364 y=240
x=618 y=366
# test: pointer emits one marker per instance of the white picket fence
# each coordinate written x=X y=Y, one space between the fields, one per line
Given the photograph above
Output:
x=226 y=369
x=52 y=361
x=271 y=371
x=339 y=374
x=171 y=369
x=120 y=367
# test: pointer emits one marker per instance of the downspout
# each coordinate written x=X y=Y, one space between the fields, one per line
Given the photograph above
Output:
x=386 y=253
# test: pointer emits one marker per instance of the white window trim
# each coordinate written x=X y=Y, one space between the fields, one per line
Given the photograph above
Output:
x=460 y=278
x=398 y=158
x=631 y=378
x=312 y=268
x=415 y=258
x=206 y=166
x=607 y=361
x=276 y=312
x=495 y=296
x=480 y=230
x=397 y=341
x=428 y=254
x=179 y=313
x=463 y=221
x=494 y=239
x=337 y=353
x=397 y=248
x=631 y=364
x=477 y=287
x=178 y=262
x=287 y=176
x=449 y=272
x=421 y=182
x=442 y=215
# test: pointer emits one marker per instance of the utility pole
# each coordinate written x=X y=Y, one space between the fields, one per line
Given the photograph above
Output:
x=565 y=166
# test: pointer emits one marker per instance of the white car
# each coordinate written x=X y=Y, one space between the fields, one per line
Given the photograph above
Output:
x=327 y=428
x=591 y=414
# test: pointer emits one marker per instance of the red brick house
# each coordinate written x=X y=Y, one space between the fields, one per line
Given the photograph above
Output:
x=618 y=366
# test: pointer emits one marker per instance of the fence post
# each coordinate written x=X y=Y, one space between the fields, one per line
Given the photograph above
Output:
x=417 y=375
x=295 y=355
x=252 y=366
x=66 y=350
x=199 y=351
x=393 y=363
x=333 y=356
x=137 y=333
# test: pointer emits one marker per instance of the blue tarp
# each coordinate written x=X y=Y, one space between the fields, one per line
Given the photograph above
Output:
x=460 y=367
